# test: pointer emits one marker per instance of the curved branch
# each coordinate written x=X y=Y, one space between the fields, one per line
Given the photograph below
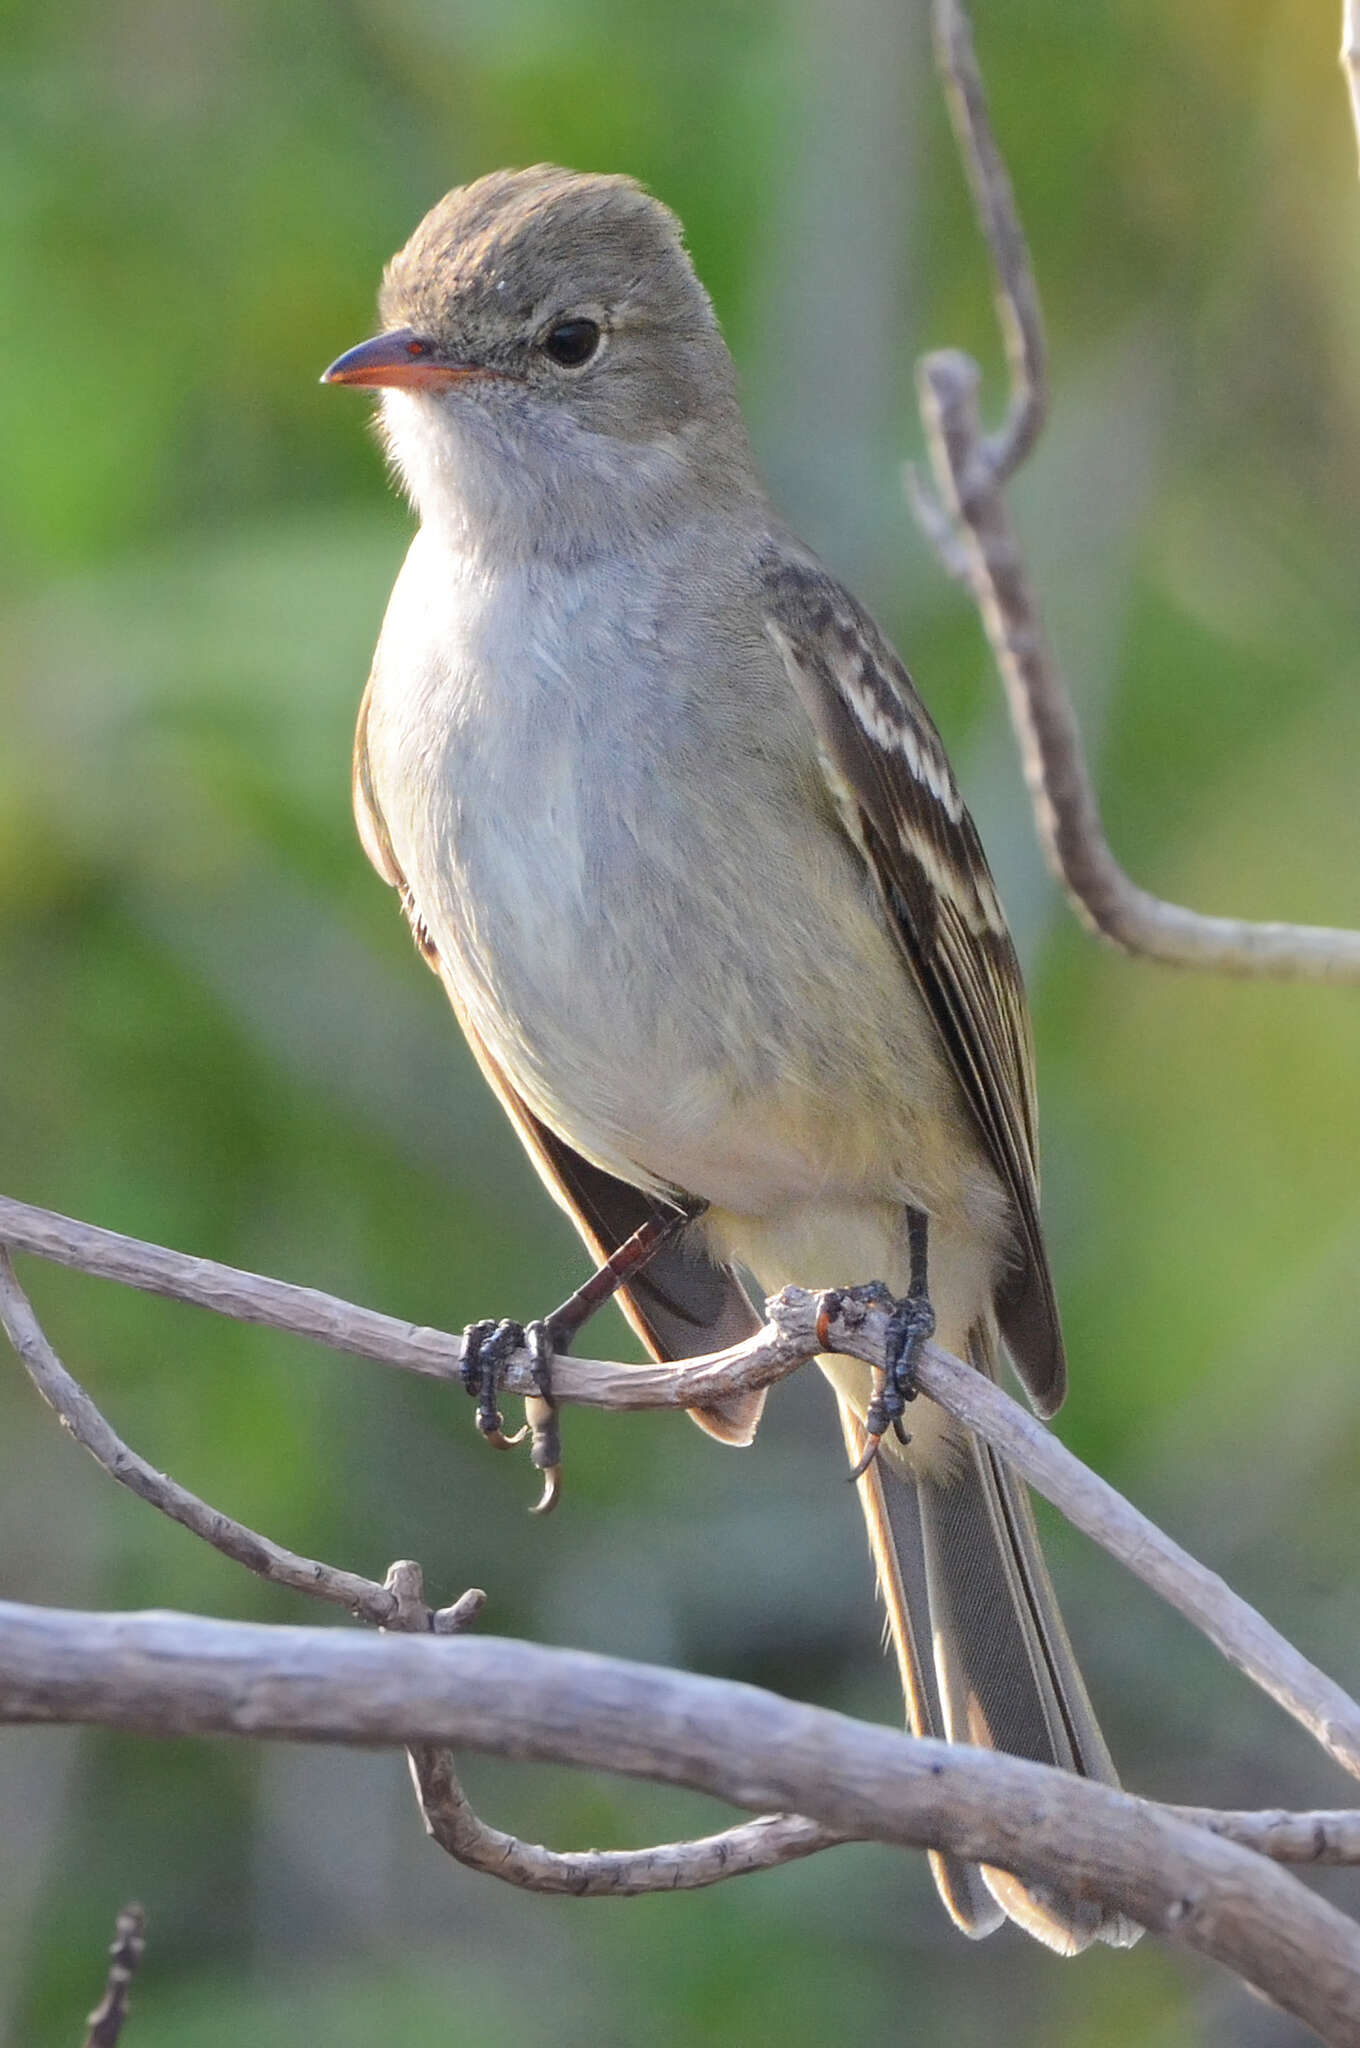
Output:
x=1326 y=1839
x=761 y=1844
x=451 y=1821
x=976 y=540
x=399 y=1603
x=79 y=1416
x=1016 y=294
x=799 y=1326
x=176 y=1674
x=227 y=1290
x=396 y=1603
x=1235 y=1629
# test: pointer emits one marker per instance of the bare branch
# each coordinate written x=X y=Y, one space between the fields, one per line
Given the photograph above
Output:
x=227 y=1290
x=129 y=1939
x=1242 y=1635
x=399 y=1603
x=1325 y=1838
x=590 y=1873
x=761 y=1844
x=795 y=1332
x=799 y=1326
x=83 y=1420
x=1017 y=296
x=449 y=1817
x=972 y=531
x=174 y=1674
x=362 y=1332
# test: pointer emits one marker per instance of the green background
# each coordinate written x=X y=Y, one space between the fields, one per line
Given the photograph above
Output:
x=214 y=1030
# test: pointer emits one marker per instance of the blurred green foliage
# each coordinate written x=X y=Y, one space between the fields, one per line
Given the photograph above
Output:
x=214 y=1032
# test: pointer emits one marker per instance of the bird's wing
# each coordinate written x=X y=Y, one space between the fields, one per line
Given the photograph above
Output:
x=898 y=801
x=682 y=1304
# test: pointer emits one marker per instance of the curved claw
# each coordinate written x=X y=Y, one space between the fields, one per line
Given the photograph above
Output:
x=552 y=1491
x=485 y=1347
x=497 y=1438
x=866 y=1458
x=541 y=1411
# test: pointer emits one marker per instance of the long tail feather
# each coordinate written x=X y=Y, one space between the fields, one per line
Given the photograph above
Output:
x=900 y=1565
x=983 y=1653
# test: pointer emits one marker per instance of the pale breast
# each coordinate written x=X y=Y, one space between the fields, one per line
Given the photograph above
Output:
x=638 y=891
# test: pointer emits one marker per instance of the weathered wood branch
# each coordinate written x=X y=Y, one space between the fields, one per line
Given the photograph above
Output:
x=399 y=1603
x=800 y=1324
x=971 y=528
x=167 y=1674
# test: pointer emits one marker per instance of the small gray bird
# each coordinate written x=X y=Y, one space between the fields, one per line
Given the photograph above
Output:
x=676 y=832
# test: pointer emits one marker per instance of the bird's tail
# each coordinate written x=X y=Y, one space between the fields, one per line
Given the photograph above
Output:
x=983 y=1653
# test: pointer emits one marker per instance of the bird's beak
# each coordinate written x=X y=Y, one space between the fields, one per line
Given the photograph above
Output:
x=400 y=357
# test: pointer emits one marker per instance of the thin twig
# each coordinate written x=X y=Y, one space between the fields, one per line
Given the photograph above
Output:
x=1242 y=1635
x=388 y=1605
x=129 y=1940
x=362 y=1332
x=1322 y=1838
x=78 y=1415
x=451 y=1821
x=227 y=1290
x=1016 y=295
x=399 y=1603
x=180 y=1674
x=971 y=518
x=789 y=1339
x=762 y=1844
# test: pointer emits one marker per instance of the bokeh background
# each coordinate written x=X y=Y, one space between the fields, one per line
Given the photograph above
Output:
x=214 y=1030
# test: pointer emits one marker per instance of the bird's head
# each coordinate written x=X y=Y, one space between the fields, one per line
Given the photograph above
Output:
x=545 y=337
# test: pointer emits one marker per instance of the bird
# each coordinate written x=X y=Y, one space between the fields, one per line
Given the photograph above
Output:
x=674 y=828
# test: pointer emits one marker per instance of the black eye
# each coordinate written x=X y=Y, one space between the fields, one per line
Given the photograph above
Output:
x=572 y=342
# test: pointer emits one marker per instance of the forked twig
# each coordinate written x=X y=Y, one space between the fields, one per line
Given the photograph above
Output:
x=972 y=530
x=105 y=2023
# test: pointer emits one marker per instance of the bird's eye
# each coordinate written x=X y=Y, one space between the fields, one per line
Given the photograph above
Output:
x=571 y=342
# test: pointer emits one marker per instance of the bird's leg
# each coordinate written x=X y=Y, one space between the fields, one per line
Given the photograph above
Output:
x=632 y=1255
x=910 y=1324
x=486 y=1346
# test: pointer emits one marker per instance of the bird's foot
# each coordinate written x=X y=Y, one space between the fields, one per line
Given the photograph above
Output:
x=911 y=1323
x=486 y=1347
